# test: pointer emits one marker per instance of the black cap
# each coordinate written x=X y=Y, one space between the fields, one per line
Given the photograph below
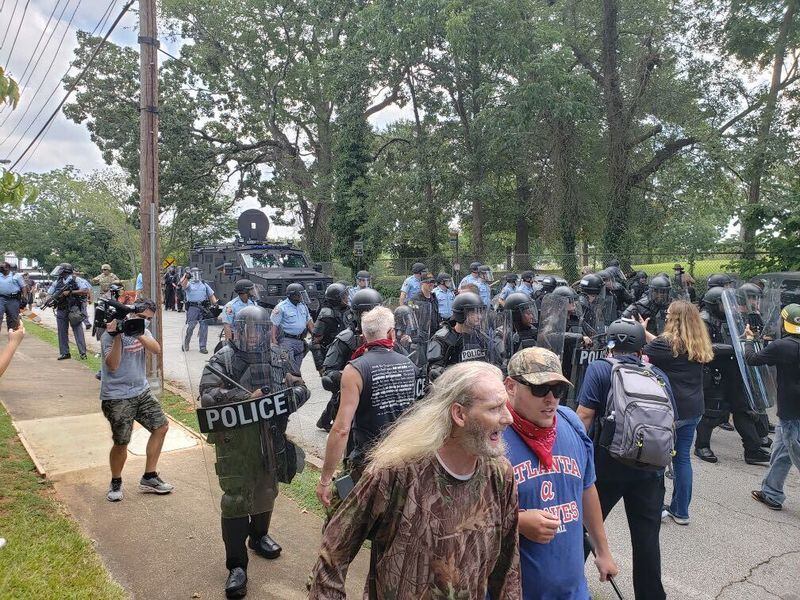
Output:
x=442 y=277
x=418 y=268
x=473 y=266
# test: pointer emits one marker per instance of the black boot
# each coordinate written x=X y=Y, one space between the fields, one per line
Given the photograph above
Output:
x=757 y=457
x=705 y=454
x=260 y=541
x=236 y=584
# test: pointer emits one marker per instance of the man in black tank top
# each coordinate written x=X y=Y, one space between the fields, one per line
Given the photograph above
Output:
x=378 y=385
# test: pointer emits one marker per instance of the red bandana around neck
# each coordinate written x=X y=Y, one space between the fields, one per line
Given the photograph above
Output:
x=384 y=343
x=538 y=439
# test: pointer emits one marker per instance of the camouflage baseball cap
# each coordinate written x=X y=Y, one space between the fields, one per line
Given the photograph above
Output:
x=537 y=366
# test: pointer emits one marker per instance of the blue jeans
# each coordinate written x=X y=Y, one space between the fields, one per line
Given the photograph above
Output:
x=785 y=453
x=682 y=467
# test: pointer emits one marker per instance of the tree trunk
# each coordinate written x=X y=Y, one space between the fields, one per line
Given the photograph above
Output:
x=565 y=196
x=751 y=220
x=522 y=259
x=427 y=184
x=614 y=238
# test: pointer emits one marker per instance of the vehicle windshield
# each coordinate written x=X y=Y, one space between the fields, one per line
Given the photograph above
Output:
x=274 y=259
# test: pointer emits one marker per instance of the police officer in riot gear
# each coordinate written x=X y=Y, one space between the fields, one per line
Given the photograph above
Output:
x=653 y=305
x=333 y=317
x=720 y=280
x=445 y=347
x=245 y=296
x=252 y=459
x=622 y=297
x=523 y=320
x=616 y=273
x=639 y=285
x=549 y=283
x=340 y=351
x=723 y=389
x=591 y=288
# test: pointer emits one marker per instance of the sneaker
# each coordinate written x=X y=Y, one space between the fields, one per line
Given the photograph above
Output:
x=203 y=351
x=771 y=504
x=726 y=426
x=766 y=442
x=64 y=356
x=114 y=492
x=83 y=356
x=155 y=485
x=760 y=457
x=665 y=514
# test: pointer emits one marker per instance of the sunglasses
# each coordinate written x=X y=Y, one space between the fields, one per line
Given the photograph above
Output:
x=559 y=390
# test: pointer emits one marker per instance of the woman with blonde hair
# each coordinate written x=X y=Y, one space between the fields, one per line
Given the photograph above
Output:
x=681 y=351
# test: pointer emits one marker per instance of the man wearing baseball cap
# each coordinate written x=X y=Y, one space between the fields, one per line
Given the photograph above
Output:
x=784 y=354
x=553 y=462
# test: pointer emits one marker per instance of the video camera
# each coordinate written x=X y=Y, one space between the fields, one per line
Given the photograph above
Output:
x=106 y=310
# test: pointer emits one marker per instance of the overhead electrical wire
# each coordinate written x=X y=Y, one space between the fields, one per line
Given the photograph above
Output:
x=74 y=83
x=16 y=35
x=8 y=27
x=41 y=37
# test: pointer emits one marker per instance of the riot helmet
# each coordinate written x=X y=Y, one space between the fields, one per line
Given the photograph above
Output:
x=62 y=270
x=474 y=265
x=719 y=280
x=465 y=304
x=571 y=296
x=713 y=302
x=591 y=284
x=251 y=333
x=485 y=273
x=244 y=286
x=748 y=297
x=660 y=288
x=337 y=294
x=511 y=278
x=522 y=309
x=403 y=320
x=607 y=278
x=625 y=336
x=195 y=274
x=549 y=283
x=363 y=301
x=418 y=268
x=527 y=276
x=561 y=281
x=443 y=278
x=295 y=293
x=642 y=276
x=613 y=263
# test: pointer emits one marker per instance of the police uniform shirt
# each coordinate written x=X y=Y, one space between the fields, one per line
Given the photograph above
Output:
x=79 y=281
x=139 y=283
x=411 y=286
x=483 y=288
x=290 y=318
x=198 y=291
x=507 y=290
x=11 y=284
x=233 y=307
x=525 y=288
x=445 y=299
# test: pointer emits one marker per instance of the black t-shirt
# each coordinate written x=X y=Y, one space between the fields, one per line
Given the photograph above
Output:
x=685 y=377
x=389 y=388
x=784 y=354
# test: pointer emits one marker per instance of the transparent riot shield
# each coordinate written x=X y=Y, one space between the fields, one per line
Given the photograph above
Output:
x=424 y=317
x=553 y=323
x=759 y=382
x=608 y=309
x=244 y=396
x=506 y=338
x=478 y=337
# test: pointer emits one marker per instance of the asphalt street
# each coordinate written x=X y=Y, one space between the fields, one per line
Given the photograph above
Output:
x=734 y=547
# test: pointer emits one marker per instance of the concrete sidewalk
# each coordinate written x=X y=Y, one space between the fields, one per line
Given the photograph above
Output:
x=155 y=546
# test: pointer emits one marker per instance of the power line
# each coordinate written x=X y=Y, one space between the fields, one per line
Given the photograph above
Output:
x=21 y=23
x=30 y=100
x=101 y=24
x=41 y=37
x=8 y=27
x=76 y=82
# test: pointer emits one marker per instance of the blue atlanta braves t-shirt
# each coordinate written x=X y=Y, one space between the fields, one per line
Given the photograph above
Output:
x=554 y=571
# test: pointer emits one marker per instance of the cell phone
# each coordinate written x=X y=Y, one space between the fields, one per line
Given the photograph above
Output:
x=344 y=485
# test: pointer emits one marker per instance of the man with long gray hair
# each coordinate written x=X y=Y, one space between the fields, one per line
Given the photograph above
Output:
x=437 y=500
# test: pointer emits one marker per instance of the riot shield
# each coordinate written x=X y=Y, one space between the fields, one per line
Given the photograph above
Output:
x=608 y=309
x=244 y=395
x=759 y=382
x=552 y=323
x=478 y=337
x=423 y=317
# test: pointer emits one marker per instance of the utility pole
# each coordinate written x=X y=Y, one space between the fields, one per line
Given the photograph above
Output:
x=148 y=177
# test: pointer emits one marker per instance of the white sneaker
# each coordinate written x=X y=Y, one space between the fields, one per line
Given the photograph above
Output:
x=114 y=492
x=155 y=485
x=679 y=520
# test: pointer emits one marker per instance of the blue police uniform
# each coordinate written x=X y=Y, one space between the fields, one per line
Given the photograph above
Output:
x=351 y=291
x=291 y=322
x=233 y=307
x=139 y=283
x=525 y=288
x=484 y=291
x=62 y=318
x=83 y=284
x=445 y=299
x=507 y=290
x=11 y=287
x=197 y=292
x=411 y=286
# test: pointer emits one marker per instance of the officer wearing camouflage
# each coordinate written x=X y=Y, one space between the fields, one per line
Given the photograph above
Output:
x=252 y=459
x=106 y=279
x=340 y=351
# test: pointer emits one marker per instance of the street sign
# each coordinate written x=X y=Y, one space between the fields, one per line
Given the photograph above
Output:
x=358 y=248
x=456 y=266
x=167 y=262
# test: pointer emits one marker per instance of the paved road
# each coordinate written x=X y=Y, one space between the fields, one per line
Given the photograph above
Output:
x=734 y=548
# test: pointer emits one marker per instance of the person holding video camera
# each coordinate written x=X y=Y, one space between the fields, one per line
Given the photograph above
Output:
x=199 y=296
x=125 y=396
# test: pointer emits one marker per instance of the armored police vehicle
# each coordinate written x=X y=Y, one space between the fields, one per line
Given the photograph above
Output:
x=270 y=266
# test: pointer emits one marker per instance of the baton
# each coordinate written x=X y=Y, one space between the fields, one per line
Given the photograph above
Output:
x=222 y=375
x=591 y=548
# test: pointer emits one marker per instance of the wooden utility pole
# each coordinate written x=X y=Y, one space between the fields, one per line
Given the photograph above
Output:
x=148 y=176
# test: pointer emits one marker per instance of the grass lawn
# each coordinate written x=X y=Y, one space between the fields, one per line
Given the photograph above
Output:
x=51 y=337
x=702 y=268
x=46 y=555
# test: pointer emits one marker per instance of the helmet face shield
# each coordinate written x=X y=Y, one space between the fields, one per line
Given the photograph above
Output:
x=474 y=316
x=251 y=337
x=659 y=296
x=485 y=273
x=195 y=274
